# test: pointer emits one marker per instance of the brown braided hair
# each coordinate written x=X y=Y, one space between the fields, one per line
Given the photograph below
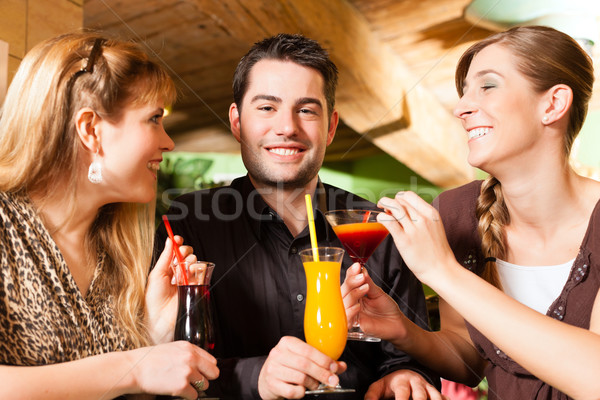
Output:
x=492 y=215
x=547 y=58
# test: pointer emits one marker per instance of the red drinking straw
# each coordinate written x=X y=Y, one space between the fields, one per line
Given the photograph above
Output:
x=366 y=217
x=176 y=249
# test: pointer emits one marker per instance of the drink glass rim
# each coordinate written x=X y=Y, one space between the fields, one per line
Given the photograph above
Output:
x=334 y=250
x=207 y=263
x=340 y=210
x=206 y=266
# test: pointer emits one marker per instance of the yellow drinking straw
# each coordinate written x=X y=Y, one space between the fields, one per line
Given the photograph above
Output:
x=311 y=227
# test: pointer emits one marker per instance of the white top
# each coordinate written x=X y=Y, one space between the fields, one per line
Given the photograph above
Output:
x=536 y=287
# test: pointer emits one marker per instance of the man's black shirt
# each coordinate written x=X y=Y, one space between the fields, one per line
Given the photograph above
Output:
x=258 y=286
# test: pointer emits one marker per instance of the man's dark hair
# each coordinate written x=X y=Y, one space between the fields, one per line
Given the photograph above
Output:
x=287 y=47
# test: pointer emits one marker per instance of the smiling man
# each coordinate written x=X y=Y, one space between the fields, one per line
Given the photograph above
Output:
x=283 y=115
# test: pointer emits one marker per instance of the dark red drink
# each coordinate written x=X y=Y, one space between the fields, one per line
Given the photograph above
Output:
x=360 y=239
x=194 y=321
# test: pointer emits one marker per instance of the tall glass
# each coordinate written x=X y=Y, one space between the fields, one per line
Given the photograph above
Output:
x=325 y=325
x=194 y=320
x=360 y=234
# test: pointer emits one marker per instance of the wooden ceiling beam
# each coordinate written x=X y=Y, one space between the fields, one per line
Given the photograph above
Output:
x=430 y=141
x=378 y=95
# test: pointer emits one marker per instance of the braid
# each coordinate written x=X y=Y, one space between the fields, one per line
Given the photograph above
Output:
x=493 y=216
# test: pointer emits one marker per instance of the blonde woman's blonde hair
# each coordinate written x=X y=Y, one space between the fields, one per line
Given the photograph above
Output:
x=546 y=57
x=39 y=146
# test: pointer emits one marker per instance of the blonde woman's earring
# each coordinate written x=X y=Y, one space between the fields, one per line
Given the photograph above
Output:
x=95 y=170
x=545 y=119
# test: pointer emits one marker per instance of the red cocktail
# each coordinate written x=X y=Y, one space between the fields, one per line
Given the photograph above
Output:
x=360 y=240
x=194 y=322
x=360 y=234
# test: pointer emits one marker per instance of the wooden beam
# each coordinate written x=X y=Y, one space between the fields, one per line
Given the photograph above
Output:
x=379 y=96
x=3 y=70
x=430 y=141
x=376 y=88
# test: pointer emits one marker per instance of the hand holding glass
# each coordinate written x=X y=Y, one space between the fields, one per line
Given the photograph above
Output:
x=325 y=325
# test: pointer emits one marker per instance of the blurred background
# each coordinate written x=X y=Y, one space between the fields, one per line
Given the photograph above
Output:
x=396 y=90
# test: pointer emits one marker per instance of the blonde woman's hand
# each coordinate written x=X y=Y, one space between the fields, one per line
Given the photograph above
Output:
x=172 y=368
x=161 y=293
x=418 y=233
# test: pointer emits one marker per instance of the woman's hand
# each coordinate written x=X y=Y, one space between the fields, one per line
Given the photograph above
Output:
x=418 y=232
x=161 y=293
x=172 y=368
x=378 y=313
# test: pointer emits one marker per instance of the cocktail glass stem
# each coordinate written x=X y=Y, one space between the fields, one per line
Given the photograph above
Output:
x=355 y=332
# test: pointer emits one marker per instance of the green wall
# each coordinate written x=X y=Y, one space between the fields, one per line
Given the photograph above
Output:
x=587 y=146
x=378 y=176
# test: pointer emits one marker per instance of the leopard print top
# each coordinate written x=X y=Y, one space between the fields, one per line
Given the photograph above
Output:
x=44 y=318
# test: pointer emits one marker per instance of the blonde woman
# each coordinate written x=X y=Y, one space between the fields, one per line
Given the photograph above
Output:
x=81 y=138
x=531 y=231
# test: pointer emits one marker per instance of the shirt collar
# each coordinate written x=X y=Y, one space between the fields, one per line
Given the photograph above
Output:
x=259 y=212
x=255 y=208
x=319 y=208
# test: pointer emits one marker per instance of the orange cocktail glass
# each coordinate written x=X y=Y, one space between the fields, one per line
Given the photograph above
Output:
x=360 y=234
x=325 y=324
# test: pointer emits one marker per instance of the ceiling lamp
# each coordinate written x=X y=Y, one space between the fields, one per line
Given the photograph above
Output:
x=577 y=18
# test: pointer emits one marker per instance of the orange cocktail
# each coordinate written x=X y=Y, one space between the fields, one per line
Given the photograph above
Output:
x=325 y=325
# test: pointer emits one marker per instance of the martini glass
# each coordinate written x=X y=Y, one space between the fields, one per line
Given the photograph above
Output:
x=360 y=234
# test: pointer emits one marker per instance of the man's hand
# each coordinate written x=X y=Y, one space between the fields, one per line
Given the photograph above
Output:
x=293 y=366
x=379 y=314
x=403 y=385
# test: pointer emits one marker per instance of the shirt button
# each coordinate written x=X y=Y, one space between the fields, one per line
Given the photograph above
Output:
x=299 y=297
x=293 y=250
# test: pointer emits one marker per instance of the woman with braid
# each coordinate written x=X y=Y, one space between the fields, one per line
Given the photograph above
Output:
x=515 y=258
